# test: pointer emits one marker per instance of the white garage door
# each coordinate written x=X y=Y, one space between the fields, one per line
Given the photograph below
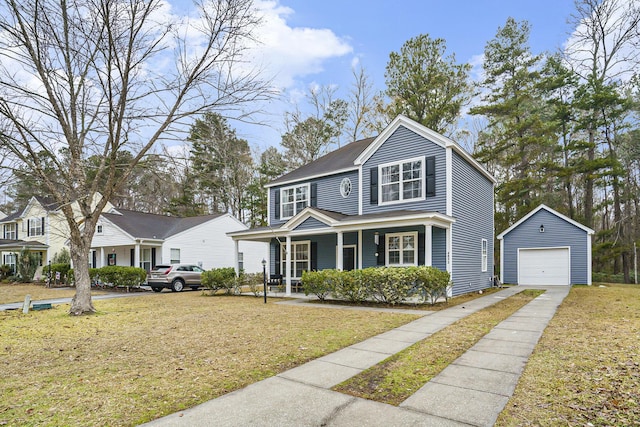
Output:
x=549 y=266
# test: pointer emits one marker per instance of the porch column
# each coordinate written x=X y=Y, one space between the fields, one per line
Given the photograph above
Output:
x=428 y=246
x=287 y=267
x=101 y=263
x=236 y=267
x=340 y=254
x=359 y=249
x=136 y=257
x=449 y=247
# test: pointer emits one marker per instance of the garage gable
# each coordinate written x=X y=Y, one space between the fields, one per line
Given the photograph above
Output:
x=545 y=248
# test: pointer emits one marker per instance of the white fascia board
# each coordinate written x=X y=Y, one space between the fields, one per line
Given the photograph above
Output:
x=551 y=211
x=310 y=177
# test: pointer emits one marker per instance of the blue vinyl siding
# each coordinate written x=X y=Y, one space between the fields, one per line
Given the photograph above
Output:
x=328 y=196
x=473 y=210
x=311 y=224
x=401 y=145
x=439 y=247
x=558 y=233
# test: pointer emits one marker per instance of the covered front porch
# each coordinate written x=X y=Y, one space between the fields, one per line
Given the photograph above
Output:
x=317 y=239
x=10 y=250
x=143 y=253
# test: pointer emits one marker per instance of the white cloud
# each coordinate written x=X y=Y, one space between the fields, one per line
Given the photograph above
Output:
x=290 y=53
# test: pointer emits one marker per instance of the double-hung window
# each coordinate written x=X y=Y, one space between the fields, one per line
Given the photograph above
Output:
x=484 y=254
x=293 y=200
x=175 y=255
x=35 y=226
x=11 y=231
x=402 y=181
x=402 y=248
x=300 y=258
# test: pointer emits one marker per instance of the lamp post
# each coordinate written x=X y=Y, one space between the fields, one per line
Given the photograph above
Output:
x=264 y=278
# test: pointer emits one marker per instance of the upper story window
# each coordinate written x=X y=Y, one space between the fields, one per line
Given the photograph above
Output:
x=11 y=231
x=402 y=181
x=293 y=200
x=99 y=229
x=35 y=226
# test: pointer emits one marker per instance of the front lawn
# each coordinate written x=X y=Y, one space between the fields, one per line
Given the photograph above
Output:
x=140 y=358
x=585 y=371
x=16 y=292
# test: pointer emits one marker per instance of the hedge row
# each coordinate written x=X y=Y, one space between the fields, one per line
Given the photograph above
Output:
x=116 y=276
x=390 y=285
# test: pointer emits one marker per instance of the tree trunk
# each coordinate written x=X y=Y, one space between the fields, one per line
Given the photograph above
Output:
x=588 y=183
x=81 y=303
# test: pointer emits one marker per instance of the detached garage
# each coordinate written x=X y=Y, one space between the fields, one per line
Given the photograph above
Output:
x=545 y=248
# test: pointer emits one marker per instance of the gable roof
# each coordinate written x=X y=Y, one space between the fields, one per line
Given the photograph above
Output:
x=340 y=160
x=46 y=203
x=153 y=226
x=551 y=211
x=355 y=154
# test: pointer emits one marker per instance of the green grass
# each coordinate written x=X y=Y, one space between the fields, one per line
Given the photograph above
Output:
x=586 y=368
x=141 y=358
x=398 y=377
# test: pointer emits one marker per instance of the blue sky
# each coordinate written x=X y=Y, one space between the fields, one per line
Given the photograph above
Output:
x=307 y=42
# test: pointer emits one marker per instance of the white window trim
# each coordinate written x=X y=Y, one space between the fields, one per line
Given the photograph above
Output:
x=422 y=159
x=99 y=229
x=13 y=232
x=415 y=250
x=295 y=212
x=283 y=259
x=484 y=254
x=33 y=221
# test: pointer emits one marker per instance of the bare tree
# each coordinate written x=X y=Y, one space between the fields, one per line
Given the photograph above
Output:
x=84 y=78
x=361 y=105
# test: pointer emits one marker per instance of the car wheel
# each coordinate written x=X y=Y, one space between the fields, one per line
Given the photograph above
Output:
x=177 y=285
x=156 y=289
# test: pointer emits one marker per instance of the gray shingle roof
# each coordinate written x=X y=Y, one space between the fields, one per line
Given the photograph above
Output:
x=152 y=226
x=337 y=160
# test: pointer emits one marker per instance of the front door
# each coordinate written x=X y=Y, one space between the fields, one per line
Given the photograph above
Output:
x=348 y=258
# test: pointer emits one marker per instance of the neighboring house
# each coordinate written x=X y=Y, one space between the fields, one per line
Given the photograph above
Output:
x=545 y=248
x=407 y=197
x=131 y=238
x=39 y=227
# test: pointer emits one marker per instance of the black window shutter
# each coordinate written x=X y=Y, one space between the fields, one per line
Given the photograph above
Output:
x=314 y=256
x=4 y=233
x=94 y=259
x=314 y=194
x=133 y=257
x=277 y=258
x=374 y=186
x=276 y=196
x=28 y=227
x=17 y=231
x=42 y=220
x=380 y=249
x=431 y=176
x=153 y=257
x=421 y=249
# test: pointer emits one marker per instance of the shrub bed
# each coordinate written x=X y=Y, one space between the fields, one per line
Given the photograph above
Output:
x=389 y=285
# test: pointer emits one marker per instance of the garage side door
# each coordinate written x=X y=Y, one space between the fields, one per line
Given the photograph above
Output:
x=549 y=266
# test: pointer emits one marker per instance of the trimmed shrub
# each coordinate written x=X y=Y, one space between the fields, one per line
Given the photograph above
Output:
x=119 y=276
x=431 y=283
x=349 y=285
x=317 y=283
x=219 y=278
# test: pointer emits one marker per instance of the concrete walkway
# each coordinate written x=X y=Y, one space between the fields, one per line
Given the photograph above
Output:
x=471 y=391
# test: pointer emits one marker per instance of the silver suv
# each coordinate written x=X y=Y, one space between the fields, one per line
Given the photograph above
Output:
x=175 y=277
